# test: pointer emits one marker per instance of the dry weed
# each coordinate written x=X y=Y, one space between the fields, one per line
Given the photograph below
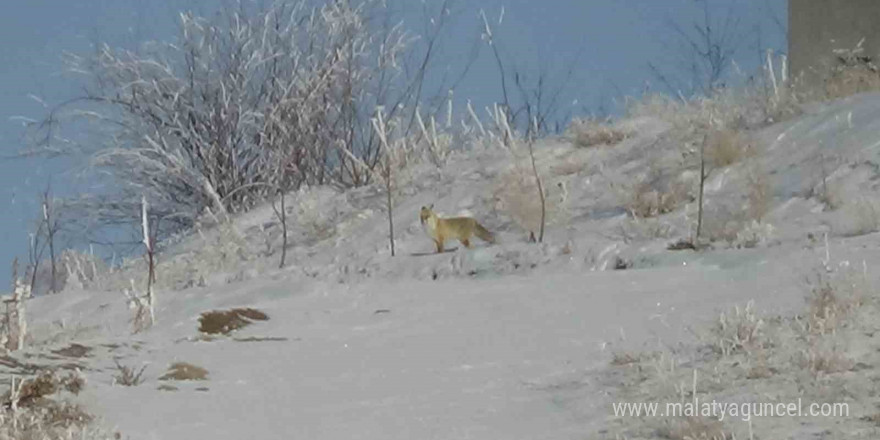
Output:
x=128 y=376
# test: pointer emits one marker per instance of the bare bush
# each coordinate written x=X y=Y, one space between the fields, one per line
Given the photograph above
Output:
x=256 y=99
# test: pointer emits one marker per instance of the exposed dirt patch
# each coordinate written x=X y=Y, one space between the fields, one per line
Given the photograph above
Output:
x=227 y=321
x=73 y=350
x=185 y=371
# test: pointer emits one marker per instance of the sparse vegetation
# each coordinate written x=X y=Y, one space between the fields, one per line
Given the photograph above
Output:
x=740 y=329
x=32 y=410
x=854 y=73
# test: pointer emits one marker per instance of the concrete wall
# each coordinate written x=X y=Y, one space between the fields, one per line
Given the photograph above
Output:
x=816 y=27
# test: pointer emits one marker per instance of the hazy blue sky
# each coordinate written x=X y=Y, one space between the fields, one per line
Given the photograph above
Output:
x=608 y=42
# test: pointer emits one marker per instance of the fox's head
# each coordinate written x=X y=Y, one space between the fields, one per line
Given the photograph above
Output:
x=426 y=213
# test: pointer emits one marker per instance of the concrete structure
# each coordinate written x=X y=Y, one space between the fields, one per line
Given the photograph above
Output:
x=816 y=27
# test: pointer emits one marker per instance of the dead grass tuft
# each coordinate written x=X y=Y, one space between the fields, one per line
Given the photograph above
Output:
x=227 y=321
x=738 y=330
x=128 y=376
x=185 y=371
x=590 y=132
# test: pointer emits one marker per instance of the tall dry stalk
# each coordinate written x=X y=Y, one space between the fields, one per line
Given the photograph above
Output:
x=531 y=141
x=149 y=244
x=703 y=176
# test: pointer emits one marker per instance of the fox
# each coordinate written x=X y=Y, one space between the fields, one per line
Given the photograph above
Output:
x=461 y=228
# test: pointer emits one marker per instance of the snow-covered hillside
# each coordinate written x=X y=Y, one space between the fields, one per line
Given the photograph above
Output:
x=511 y=340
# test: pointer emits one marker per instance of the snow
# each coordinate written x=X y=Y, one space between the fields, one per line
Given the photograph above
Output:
x=504 y=341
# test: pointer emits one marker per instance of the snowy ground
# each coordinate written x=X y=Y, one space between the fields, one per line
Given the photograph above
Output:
x=506 y=341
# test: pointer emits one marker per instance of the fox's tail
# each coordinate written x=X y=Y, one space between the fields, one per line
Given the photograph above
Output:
x=483 y=233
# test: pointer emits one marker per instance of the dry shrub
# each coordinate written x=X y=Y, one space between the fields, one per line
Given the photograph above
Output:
x=865 y=216
x=516 y=193
x=590 y=132
x=185 y=371
x=820 y=359
x=752 y=234
x=311 y=214
x=641 y=229
x=652 y=195
x=30 y=412
x=227 y=321
x=723 y=223
x=830 y=301
x=737 y=331
x=725 y=147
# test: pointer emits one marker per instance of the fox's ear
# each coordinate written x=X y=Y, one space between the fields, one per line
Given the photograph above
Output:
x=423 y=206
x=431 y=207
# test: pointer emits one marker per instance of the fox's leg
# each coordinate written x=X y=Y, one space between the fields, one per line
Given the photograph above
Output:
x=466 y=242
x=439 y=244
